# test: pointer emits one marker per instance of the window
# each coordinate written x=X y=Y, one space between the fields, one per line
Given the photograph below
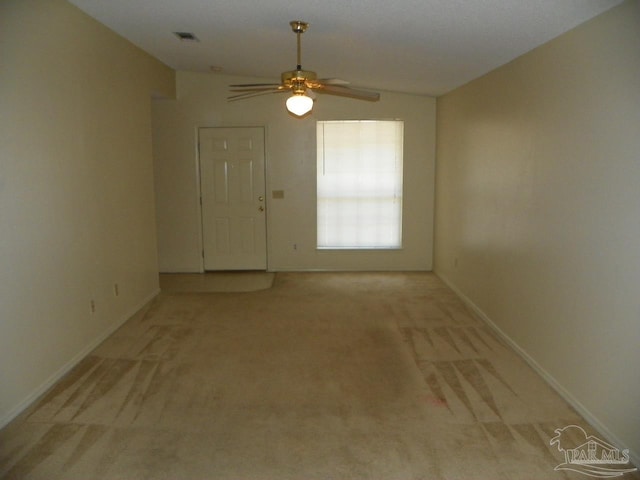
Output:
x=359 y=184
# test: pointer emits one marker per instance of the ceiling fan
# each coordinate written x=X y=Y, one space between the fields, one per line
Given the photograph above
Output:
x=301 y=83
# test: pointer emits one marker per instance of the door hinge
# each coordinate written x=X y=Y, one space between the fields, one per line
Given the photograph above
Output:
x=200 y=201
x=202 y=253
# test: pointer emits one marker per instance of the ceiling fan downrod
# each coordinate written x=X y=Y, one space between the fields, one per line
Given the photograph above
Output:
x=299 y=27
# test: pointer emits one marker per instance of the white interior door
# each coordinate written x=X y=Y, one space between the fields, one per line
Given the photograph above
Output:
x=232 y=182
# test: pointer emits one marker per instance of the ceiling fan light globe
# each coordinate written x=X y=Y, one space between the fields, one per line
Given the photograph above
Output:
x=299 y=104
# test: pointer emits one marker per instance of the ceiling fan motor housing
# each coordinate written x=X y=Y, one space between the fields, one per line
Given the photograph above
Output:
x=298 y=79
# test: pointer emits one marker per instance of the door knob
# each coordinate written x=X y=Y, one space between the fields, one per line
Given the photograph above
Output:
x=261 y=198
x=261 y=208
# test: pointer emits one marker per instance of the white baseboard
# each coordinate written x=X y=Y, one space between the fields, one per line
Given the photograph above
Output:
x=344 y=270
x=557 y=386
x=33 y=396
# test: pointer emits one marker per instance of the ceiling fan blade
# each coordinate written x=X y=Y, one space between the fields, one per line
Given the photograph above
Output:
x=333 y=81
x=258 y=89
x=255 y=85
x=349 y=92
x=242 y=96
x=325 y=81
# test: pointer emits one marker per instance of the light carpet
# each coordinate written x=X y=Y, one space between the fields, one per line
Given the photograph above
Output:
x=323 y=376
x=241 y=281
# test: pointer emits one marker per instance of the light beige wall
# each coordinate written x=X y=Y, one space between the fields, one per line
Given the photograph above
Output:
x=538 y=211
x=291 y=152
x=76 y=189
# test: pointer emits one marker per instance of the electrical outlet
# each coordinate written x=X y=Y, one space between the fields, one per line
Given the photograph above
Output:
x=116 y=289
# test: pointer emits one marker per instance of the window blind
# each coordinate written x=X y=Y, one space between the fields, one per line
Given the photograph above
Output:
x=359 y=184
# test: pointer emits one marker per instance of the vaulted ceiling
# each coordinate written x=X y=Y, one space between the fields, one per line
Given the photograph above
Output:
x=415 y=46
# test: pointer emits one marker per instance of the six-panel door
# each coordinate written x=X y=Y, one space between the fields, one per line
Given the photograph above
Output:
x=232 y=181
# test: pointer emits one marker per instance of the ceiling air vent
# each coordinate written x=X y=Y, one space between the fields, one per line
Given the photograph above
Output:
x=186 y=36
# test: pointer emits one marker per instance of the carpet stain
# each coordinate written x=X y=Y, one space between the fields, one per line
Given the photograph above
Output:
x=119 y=368
x=460 y=333
x=473 y=377
x=46 y=447
x=488 y=366
x=448 y=373
x=92 y=434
